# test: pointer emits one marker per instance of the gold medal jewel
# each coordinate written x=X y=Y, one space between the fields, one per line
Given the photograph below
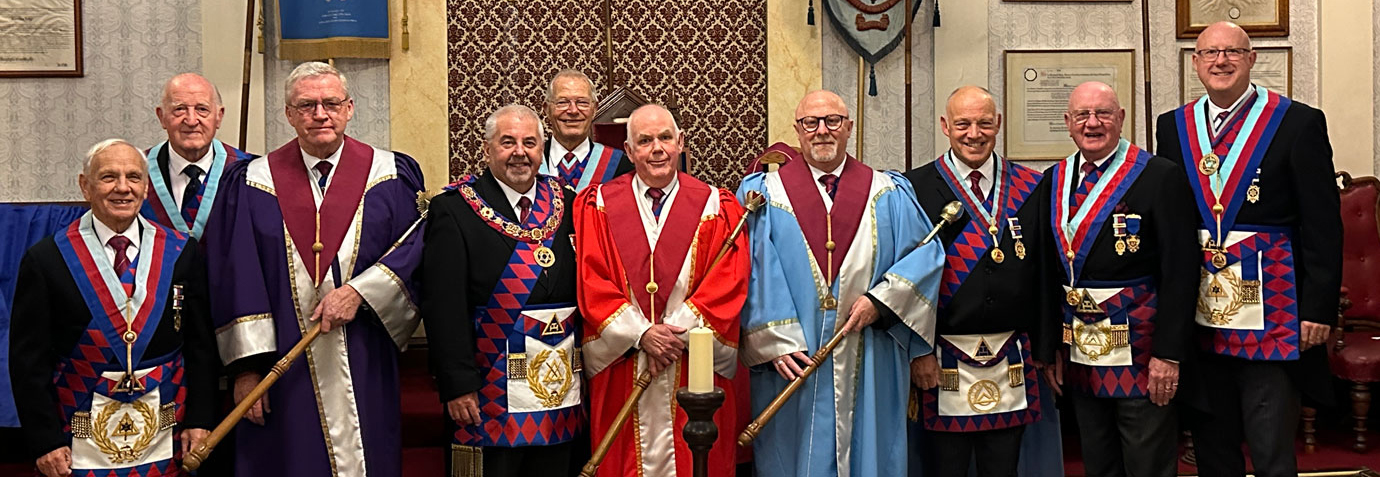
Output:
x=1073 y=297
x=545 y=257
x=1253 y=193
x=997 y=255
x=830 y=303
x=1120 y=246
x=1219 y=259
x=1020 y=250
x=1208 y=164
x=1133 y=243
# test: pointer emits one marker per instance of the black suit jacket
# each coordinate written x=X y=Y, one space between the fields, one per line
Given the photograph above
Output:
x=1298 y=191
x=1169 y=251
x=996 y=297
x=461 y=263
x=50 y=315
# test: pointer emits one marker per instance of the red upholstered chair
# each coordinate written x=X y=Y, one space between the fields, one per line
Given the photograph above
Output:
x=1355 y=356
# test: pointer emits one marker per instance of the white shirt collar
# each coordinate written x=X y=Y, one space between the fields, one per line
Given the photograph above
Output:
x=817 y=173
x=311 y=160
x=513 y=195
x=176 y=163
x=641 y=188
x=104 y=233
x=558 y=151
x=988 y=170
x=1214 y=110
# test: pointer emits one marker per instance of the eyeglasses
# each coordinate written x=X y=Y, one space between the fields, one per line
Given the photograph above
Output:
x=1082 y=116
x=811 y=123
x=181 y=111
x=1233 y=54
x=581 y=104
x=331 y=106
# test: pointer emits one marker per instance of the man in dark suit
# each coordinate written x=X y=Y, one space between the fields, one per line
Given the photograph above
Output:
x=115 y=307
x=1270 y=231
x=498 y=301
x=1122 y=228
x=571 y=154
x=989 y=298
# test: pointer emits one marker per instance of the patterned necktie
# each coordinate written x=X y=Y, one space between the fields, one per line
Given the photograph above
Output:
x=324 y=168
x=120 y=243
x=656 y=195
x=831 y=184
x=975 y=183
x=1090 y=176
x=569 y=173
x=524 y=208
x=191 y=195
x=1219 y=121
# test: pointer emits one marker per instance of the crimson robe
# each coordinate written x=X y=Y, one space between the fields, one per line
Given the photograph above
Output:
x=612 y=241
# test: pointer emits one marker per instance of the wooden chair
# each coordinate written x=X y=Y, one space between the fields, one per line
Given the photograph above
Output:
x=1355 y=355
x=611 y=120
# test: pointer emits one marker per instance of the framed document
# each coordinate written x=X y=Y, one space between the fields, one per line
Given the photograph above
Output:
x=1038 y=84
x=1273 y=70
x=1258 y=17
x=40 y=38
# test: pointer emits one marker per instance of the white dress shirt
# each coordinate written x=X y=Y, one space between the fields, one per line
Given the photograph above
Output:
x=104 y=233
x=1214 y=110
x=177 y=181
x=988 y=169
x=816 y=173
x=558 y=153
x=513 y=196
x=315 y=175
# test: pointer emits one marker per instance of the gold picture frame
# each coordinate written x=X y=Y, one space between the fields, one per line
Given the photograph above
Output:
x=42 y=38
x=1037 y=86
x=1260 y=18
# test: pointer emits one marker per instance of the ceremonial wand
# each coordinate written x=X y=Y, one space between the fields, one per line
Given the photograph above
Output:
x=951 y=212
x=754 y=202
x=193 y=459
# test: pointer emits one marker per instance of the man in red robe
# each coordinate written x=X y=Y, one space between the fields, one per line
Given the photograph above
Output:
x=645 y=243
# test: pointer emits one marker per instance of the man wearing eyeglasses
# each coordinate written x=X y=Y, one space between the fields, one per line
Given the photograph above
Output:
x=1123 y=250
x=1270 y=234
x=185 y=170
x=318 y=232
x=571 y=156
x=836 y=250
x=990 y=299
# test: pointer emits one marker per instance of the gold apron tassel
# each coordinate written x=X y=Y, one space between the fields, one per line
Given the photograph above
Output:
x=913 y=407
x=1016 y=374
x=948 y=379
x=1250 y=292
x=1068 y=333
x=466 y=461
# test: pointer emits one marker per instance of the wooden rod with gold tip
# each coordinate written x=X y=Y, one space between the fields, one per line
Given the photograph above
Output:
x=951 y=212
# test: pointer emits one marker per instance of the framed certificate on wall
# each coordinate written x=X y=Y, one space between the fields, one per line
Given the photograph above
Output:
x=1038 y=84
x=1273 y=70
x=1258 y=17
x=40 y=38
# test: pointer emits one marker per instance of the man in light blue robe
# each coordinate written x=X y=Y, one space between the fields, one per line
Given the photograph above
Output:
x=835 y=250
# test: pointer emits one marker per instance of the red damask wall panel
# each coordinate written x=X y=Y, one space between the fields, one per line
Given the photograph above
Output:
x=708 y=57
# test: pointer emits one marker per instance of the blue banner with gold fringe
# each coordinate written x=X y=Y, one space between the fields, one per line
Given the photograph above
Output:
x=321 y=29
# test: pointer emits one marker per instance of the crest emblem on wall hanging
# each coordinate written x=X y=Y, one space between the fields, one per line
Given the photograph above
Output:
x=872 y=28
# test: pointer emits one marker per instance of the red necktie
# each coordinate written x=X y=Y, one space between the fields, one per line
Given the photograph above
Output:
x=831 y=184
x=524 y=207
x=656 y=195
x=975 y=183
x=324 y=168
x=120 y=243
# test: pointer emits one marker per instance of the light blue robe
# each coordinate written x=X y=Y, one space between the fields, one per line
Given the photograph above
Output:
x=849 y=418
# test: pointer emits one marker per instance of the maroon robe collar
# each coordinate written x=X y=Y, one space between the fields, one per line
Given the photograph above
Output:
x=849 y=201
x=293 y=187
x=681 y=223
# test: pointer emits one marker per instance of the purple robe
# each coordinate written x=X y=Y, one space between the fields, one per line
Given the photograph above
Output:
x=336 y=410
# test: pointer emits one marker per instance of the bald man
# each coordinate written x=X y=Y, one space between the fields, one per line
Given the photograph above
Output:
x=1121 y=222
x=1269 y=226
x=185 y=170
x=836 y=250
x=990 y=300
x=645 y=243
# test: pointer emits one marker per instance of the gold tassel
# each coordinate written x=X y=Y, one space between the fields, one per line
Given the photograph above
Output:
x=1068 y=333
x=913 y=409
x=1016 y=374
x=948 y=379
x=466 y=461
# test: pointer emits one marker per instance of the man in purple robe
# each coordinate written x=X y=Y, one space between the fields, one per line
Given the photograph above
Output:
x=317 y=231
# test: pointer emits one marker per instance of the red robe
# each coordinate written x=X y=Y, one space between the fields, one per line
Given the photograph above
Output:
x=615 y=303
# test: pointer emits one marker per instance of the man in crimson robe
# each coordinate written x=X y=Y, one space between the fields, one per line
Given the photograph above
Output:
x=318 y=231
x=646 y=244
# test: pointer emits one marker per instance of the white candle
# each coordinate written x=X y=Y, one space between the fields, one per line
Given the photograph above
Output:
x=701 y=360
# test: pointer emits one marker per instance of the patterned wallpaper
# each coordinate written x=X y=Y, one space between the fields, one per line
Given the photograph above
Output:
x=708 y=57
x=49 y=123
x=884 y=124
x=1118 y=26
x=368 y=85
